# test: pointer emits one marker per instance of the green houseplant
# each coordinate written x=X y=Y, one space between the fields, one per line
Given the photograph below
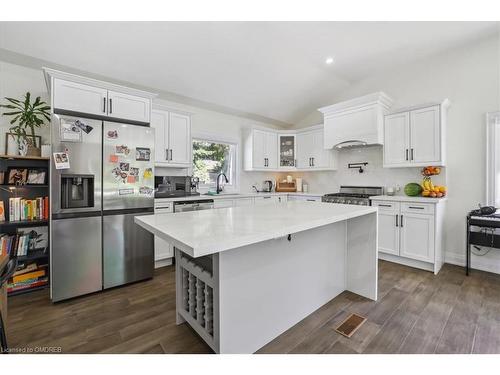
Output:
x=25 y=117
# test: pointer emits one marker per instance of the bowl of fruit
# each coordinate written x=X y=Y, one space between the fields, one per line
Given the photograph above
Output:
x=428 y=188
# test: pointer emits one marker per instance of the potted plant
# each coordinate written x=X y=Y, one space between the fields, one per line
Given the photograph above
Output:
x=26 y=116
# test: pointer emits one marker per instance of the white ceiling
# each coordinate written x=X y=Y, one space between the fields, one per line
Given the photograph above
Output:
x=271 y=69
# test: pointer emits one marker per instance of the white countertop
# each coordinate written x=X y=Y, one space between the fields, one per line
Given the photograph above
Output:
x=404 y=198
x=199 y=233
x=235 y=196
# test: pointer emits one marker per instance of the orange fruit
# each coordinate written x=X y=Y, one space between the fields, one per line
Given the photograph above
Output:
x=432 y=194
x=442 y=189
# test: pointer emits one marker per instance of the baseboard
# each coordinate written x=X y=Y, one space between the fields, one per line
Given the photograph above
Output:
x=406 y=261
x=477 y=263
x=163 y=263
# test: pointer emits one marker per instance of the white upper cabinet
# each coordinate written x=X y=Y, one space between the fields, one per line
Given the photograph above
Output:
x=416 y=137
x=131 y=107
x=77 y=97
x=172 y=138
x=261 y=150
x=287 y=151
x=425 y=135
x=179 y=138
x=305 y=149
x=159 y=121
x=72 y=93
x=396 y=142
x=311 y=153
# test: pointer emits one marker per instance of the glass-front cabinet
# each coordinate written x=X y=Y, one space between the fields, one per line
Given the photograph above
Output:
x=287 y=150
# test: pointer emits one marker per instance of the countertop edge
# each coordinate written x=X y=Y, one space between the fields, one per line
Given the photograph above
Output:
x=403 y=198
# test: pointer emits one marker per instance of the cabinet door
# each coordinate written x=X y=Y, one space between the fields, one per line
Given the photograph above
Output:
x=388 y=232
x=259 y=158
x=425 y=135
x=159 y=122
x=305 y=146
x=129 y=107
x=321 y=158
x=396 y=139
x=179 y=138
x=72 y=96
x=417 y=237
x=163 y=249
x=287 y=151
x=272 y=150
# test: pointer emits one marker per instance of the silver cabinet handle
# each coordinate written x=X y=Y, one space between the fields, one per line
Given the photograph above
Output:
x=166 y=154
x=401 y=221
x=266 y=197
x=417 y=208
x=171 y=154
x=406 y=154
x=411 y=153
x=397 y=220
x=104 y=105
x=384 y=205
x=110 y=105
x=312 y=162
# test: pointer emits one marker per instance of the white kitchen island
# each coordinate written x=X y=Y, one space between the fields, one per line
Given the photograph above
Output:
x=244 y=275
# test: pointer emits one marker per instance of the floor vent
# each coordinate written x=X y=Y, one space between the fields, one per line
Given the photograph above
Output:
x=350 y=325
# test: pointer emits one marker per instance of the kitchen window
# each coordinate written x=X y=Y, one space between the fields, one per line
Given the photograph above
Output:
x=211 y=157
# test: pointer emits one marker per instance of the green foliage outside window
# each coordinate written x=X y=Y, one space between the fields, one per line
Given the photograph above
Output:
x=210 y=159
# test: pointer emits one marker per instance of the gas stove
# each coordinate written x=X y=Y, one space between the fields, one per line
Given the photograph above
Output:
x=359 y=195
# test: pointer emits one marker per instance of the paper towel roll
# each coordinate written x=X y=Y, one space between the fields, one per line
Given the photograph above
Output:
x=298 y=183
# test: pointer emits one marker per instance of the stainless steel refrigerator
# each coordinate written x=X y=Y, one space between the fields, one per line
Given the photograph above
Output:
x=106 y=178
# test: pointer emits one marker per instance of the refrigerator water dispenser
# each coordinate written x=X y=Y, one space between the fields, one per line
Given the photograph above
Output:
x=77 y=191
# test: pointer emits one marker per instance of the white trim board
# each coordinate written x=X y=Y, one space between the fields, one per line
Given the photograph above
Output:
x=477 y=263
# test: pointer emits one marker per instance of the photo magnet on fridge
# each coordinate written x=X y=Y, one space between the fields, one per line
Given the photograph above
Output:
x=86 y=128
x=142 y=154
x=61 y=160
x=69 y=132
x=130 y=179
x=148 y=173
x=124 y=167
x=122 y=150
x=113 y=158
x=145 y=190
x=112 y=134
x=134 y=171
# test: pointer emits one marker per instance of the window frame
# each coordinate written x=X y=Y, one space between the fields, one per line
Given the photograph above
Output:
x=492 y=158
x=216 y=138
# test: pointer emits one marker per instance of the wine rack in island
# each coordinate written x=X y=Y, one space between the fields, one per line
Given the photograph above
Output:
x=24 y=220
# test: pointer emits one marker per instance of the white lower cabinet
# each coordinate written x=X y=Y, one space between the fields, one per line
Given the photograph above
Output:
x=417 y=236
x=410 y=233
x=269 y=199
x=243 y=202
x=163 y=249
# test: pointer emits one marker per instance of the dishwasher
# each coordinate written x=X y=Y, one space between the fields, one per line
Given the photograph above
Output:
x=193 y=205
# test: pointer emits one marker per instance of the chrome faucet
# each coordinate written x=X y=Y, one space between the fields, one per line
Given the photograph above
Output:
x=218 y=187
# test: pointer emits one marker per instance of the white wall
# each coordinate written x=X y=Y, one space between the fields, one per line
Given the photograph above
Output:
x=469 y=77
x=15 y=80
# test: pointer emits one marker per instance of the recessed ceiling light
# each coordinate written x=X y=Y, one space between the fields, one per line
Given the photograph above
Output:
x=329 y=60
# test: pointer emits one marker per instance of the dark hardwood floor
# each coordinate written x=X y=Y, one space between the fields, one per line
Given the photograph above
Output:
x=417 y=312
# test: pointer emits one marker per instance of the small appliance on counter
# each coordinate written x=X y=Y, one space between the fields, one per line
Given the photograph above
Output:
x=267 y=186
x=359 y=195
x=176 y=186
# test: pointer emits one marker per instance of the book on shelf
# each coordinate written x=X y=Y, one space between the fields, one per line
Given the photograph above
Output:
x=21 y=209
x=30 y=276
x=21 y=243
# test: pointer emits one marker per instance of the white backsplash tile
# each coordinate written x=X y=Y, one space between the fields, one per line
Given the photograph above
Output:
x=374 y=174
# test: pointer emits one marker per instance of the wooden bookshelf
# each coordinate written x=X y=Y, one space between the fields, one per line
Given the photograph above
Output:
x=19 y=157
x=40 y=257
